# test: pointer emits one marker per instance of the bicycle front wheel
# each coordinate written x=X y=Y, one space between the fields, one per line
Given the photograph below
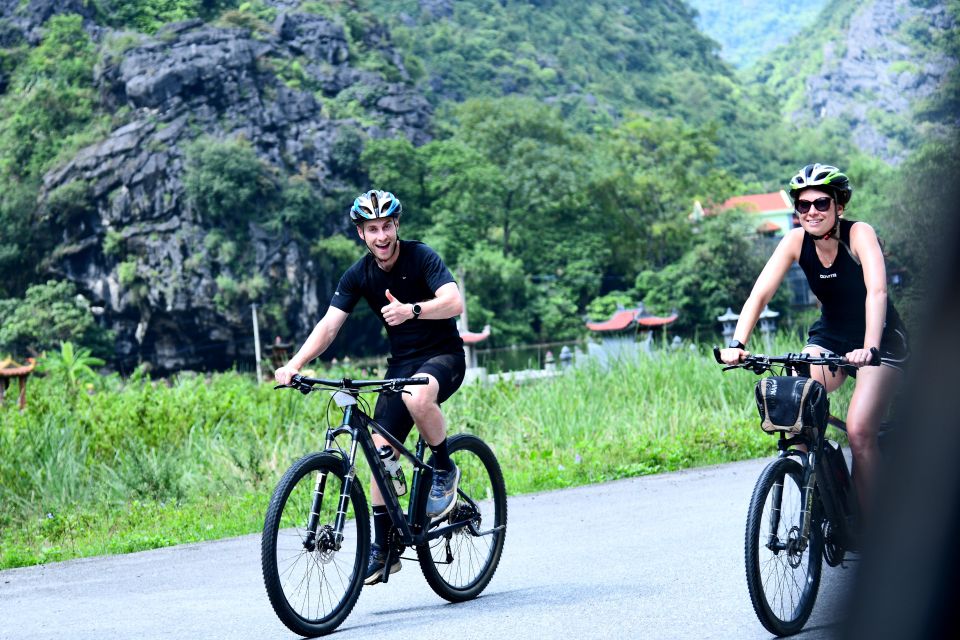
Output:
x=312 y=576
x=783 y=573
x=459 y=565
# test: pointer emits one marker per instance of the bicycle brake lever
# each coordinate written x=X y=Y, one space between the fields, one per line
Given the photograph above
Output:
x=389 y=388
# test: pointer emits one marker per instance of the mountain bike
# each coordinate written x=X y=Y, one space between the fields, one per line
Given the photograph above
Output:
x=804 y=507
x=316 y=534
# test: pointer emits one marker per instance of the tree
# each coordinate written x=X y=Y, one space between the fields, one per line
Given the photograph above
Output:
x=717 y=272
x=227 y=182
x=654 y=170
x=47 y=316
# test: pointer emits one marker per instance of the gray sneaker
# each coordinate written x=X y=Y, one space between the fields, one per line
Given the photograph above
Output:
x=443 y=492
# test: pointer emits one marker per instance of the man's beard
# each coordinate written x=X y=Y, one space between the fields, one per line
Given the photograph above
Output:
x=396 y=245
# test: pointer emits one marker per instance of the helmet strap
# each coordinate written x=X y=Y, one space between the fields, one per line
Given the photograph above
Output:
x=833 y=230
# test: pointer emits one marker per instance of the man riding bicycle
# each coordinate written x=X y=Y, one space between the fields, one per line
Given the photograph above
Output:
x=408 y=285
x=844 y=266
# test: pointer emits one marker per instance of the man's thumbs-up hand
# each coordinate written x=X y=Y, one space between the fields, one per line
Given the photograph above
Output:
x=396 y=312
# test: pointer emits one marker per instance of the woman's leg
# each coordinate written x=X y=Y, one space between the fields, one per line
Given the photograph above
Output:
x=871 y=397
x=831 y=380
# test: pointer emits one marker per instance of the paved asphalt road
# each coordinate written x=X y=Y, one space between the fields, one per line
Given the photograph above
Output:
x=652 y=557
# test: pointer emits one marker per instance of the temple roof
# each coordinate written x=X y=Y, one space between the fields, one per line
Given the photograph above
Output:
x=618 y=322
x=626 y=318
x=10 y=369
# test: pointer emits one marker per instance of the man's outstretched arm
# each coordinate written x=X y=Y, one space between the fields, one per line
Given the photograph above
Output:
x=318 y=342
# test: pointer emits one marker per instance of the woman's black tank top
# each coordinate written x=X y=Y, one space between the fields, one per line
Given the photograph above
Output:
x=840 y=287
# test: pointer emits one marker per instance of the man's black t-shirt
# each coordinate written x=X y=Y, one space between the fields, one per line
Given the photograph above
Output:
x=415 y=277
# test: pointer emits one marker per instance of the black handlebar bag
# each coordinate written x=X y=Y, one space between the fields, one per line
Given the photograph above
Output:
x=791 y=404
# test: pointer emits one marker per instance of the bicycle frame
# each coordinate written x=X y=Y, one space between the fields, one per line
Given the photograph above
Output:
x=817 y=479
x=355 y=424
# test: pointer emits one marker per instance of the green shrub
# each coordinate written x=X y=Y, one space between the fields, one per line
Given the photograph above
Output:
x=46 y=316
x=227 y=183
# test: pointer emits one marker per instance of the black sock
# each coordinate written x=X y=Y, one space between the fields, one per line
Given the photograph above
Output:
x=381 y=525
x=441 y=457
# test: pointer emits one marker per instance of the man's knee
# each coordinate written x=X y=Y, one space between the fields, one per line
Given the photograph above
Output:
x=420 y=404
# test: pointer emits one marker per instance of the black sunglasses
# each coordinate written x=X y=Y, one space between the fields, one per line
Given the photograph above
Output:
x=821 y=204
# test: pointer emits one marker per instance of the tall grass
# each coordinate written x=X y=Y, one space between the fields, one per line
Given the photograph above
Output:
x=138 y=464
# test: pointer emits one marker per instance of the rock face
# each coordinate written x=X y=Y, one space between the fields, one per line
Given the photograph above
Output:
x=191 y=79
x=876 y=78
x=27 y=18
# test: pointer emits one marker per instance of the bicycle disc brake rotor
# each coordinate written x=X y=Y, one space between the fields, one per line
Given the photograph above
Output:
x=794 y=550
x=326 y=544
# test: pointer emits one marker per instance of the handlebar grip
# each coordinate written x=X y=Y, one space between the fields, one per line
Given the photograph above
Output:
x=408 y=381
x=875 y=359
x=716 y=355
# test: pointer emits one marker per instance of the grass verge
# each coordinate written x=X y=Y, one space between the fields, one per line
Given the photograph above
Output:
x=138 y=464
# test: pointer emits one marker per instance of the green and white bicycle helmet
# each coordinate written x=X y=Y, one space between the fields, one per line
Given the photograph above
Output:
x=375 y=204
x=822 y=176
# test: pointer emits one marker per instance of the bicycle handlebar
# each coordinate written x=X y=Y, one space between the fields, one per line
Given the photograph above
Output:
x=761 y=363
x=306 y=384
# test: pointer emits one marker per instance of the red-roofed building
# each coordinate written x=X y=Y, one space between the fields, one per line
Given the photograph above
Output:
x=774 y=216
x=773 y=211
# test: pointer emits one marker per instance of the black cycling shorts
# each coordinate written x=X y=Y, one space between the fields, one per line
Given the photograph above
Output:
x=391 y=412
x=894 y=348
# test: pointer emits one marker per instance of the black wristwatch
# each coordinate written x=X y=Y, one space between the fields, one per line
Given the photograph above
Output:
x=417 y=309
x=736 y=344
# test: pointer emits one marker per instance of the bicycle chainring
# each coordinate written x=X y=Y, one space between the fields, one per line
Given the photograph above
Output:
x=833 y=551
x=396 y=542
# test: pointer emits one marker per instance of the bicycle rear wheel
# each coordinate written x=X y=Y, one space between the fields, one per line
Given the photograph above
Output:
x=459 y=565
x=313 y=581
x=783 y=577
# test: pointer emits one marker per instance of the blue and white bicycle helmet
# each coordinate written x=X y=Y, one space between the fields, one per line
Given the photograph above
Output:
x=375 y=204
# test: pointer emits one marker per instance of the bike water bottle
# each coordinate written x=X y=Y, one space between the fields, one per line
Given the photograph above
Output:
x=392 y=465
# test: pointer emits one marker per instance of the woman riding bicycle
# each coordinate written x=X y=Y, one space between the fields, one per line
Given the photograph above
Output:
x=844 y=266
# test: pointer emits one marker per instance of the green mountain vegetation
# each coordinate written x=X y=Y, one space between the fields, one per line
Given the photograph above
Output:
x=875 y=70
x=748 y=30
x=597 y=63
x=556 y=174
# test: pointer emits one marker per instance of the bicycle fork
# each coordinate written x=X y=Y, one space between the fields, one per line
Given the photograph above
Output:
x=806 y=518
x=313 y=521
x=806 y=515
